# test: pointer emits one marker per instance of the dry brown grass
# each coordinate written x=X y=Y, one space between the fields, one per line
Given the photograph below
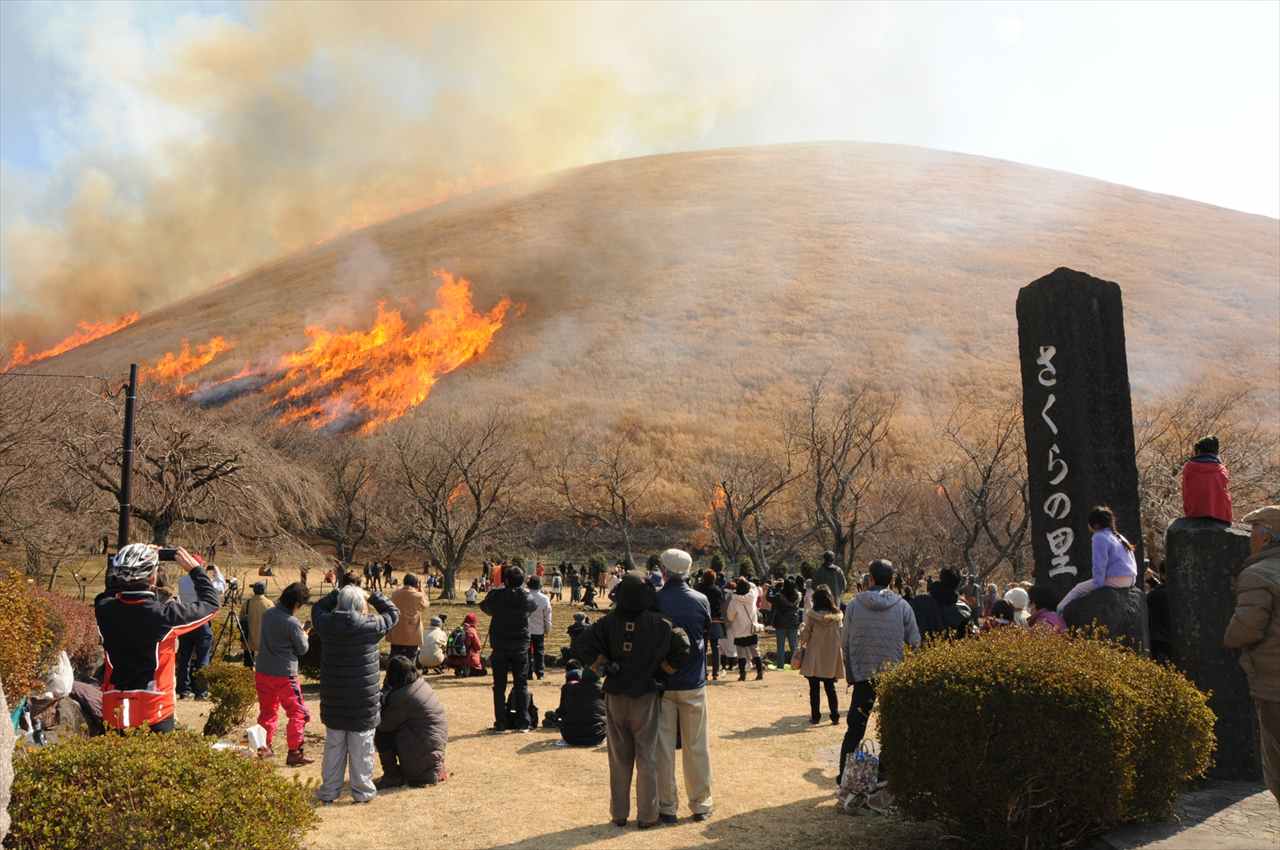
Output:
x=689 y=287
x=773 y=782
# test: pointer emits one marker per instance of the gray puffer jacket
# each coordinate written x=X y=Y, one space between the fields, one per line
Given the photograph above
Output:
x=877 y=624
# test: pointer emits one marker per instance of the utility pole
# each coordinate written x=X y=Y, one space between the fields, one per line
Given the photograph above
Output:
x=126 y=462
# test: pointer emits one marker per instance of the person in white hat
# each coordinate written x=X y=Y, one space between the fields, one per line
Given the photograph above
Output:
x=1019 y=599
x=1255 y=631
x=682 y=711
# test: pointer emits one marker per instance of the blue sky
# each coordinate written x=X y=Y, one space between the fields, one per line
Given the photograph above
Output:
x=299 y=111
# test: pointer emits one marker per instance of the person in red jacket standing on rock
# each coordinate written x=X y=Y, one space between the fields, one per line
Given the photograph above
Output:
x=1205 y=482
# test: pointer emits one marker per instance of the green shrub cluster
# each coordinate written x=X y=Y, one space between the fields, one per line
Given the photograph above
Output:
x=1028 y=739
x=143 y=791
x=28 y=635
x=232 y=692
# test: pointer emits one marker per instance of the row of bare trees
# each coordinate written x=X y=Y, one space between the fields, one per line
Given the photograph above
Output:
x=844 y=467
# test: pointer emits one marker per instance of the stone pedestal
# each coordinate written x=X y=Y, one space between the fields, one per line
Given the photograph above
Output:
x=1203 y=557
x=1121 y=610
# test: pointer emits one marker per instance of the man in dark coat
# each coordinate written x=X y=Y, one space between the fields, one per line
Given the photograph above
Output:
x=635 y=645
x=509 y=607
x=350 y=705
x=831 y=575
x=413 y=731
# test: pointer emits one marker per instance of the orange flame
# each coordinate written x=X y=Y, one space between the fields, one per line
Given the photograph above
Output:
x=456 y=493
x=717 y=504
x=378 y=375
x=86 y=332
x=175 y=367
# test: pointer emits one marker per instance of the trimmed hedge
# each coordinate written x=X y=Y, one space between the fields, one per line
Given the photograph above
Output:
x=146 y=791
x=1029 y=739
x=28 y=630
x=233 y=693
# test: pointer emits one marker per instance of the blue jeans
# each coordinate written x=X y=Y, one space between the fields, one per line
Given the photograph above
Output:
x=193 y=655
x=789 y=637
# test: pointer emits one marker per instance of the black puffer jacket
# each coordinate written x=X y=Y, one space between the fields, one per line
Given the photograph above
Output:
x=637 y=645
x=509 y=607
x=786 y=609
x=349 y=688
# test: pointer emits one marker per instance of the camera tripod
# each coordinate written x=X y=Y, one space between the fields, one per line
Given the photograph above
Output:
x=230 y=628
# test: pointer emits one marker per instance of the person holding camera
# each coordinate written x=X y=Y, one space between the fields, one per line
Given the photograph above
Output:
x=634 y=645
x=195 y=645
x=140 y=634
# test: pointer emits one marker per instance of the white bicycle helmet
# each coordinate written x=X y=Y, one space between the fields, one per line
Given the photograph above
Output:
x=134 y=562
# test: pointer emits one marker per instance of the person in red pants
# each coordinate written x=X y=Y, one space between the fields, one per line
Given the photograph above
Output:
x=281 y=643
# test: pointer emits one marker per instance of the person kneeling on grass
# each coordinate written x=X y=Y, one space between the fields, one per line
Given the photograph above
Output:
x=350 y=705
x=281 y=642
x=581 y=715
x=413 y=731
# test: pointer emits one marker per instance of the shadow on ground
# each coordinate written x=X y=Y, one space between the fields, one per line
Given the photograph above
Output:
x=804 y=823
x=781 y=726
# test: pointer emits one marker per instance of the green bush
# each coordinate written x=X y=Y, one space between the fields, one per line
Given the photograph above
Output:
x=233 y=693
x=1028 y=739
x=143 y=790
x=27 y=638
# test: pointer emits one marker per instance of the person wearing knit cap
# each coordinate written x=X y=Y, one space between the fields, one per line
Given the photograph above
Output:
x=1019 y=599
x=434 y=642
x=581 y=713
x=1255 y=631
x=634 y=645
x=682 y=711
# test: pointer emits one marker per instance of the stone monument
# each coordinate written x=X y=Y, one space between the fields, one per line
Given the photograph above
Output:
x=1078 y=421
x=1203 y=557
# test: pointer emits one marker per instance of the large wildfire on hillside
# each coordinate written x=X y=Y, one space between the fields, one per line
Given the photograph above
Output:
x=86 y=332
x=353 y=379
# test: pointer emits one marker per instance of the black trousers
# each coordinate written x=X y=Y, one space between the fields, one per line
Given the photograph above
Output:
x=410 y=652
x=515 y=663
x=864 y=699
x=815 y=697
x=537 y=654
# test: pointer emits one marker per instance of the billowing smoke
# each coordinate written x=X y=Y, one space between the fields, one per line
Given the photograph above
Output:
x=313 y=119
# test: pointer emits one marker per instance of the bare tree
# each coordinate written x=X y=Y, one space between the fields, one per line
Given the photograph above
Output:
x=350 y=476
x=984 y=486
x=602 y=481
x=747 y=480
x=190 y=471
x=456 y=476
x=847 y=436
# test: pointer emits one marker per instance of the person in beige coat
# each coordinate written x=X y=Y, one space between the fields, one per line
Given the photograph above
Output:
x=406 y=636
x=822 y=648
x=1255 y=631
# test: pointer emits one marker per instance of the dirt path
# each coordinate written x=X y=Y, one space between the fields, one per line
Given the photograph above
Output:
x=773 y=783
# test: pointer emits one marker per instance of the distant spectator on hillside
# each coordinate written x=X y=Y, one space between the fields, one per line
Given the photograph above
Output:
x=1205 y=483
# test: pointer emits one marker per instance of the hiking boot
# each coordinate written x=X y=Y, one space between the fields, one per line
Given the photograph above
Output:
x=699 y=817
x=742 y=669
x=835 y=718
x=814 y=720
x=649 y=825
x=384 y=782
x=759 y=664
x=667 y=819
x=619 y=822
x=297 y=758
x=498 y=727
x=185 y=695
x=265 y=753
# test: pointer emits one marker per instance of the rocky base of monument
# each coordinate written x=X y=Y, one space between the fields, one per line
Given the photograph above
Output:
x=1121 y=611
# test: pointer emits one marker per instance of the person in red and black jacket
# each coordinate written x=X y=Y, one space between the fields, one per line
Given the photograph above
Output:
x=140 y=636
x=1205 y=483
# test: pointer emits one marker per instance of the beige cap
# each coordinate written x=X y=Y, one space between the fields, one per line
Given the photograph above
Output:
x=1268 y=516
